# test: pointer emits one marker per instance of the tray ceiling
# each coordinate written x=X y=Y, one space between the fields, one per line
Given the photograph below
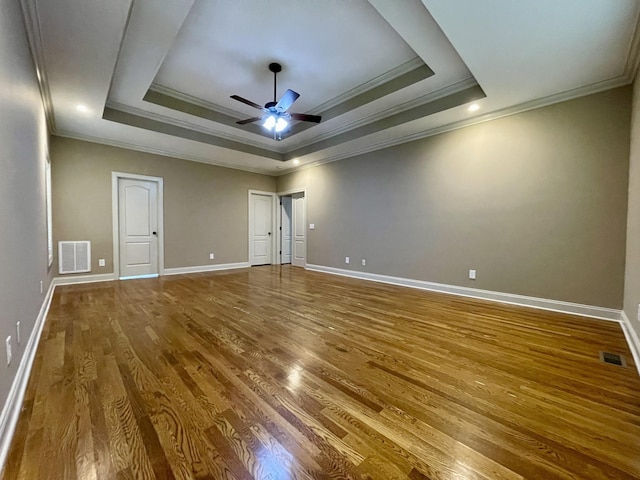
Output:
x=156 y=75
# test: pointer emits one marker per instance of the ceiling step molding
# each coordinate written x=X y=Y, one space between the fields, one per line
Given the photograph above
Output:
x=179 y=123
x=170 y=92
x=417 y=102
x=375 y=82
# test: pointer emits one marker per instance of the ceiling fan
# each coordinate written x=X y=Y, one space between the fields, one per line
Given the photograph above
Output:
x=276 y=118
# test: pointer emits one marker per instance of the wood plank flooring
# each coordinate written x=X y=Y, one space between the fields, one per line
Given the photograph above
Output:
x=278 y=373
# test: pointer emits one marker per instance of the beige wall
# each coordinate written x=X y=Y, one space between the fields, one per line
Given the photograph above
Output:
x=632 y=276
x=23 y=143
x=535 y=202
x=205 y=207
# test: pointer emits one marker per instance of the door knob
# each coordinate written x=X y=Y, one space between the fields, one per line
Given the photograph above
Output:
x=155 y=233
x=269 y=233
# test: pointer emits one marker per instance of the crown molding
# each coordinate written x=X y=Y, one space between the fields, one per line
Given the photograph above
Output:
x=526 y=106
x=31 y=19
x=633 y=57
x=156 y=151
x=505 y=112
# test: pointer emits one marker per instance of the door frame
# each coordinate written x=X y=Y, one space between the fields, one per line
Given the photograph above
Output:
x=287 y=193
x=115 y=213
x=273 y=223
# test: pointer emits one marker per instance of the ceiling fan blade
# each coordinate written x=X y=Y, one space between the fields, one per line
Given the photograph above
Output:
x=287 y=100
x=248 y=102
x=249 y=120
x=303 y=117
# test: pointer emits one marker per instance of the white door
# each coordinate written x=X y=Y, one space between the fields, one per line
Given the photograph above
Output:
x=286 y=230
x=260 y=224
x=299 y=230
x=138 y=227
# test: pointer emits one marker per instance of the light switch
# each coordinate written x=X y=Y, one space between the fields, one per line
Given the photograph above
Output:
x=312 y=226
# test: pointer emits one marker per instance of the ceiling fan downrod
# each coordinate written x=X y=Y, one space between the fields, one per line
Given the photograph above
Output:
x=275 y=68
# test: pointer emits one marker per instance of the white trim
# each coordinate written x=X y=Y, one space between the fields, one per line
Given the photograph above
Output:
x=156 y=151
x=13 y=404
x=206 y=268
x=185 y=97
x=459 y=124
x=188 y=125
x=274 y=213
x=510 y=298
x=597 y=87
x=137 y=277
x=632 y=339
x=32 y=23
x=430 y=97
x=633 y=56
x=77 y=279
x=115 y=177
x=369 y=85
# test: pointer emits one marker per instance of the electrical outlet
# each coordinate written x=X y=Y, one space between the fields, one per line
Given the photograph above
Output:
x=41 y=286
x=346 y=259
x=8 y=342
x=18 y=332
x=101 y=262
x=364 y=262
x=639 y=312
x=211 y=256
x=472 y=274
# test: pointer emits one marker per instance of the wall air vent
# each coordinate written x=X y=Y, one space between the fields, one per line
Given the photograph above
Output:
x=74 y=257
x=613 y=358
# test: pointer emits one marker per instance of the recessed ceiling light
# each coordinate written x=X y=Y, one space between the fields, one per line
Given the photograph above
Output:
x=296 y=161
x=82 y=108
x=474 y=107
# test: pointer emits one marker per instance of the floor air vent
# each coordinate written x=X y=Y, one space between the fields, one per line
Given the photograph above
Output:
x=74 y=257
x=613 y=358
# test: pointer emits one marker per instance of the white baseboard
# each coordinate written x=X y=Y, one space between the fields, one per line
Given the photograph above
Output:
x=138 y=277
x=108 y=277
x=205 y=268
x=632 y=339
x=510 y=298
x=75 y=279
x=13 y=405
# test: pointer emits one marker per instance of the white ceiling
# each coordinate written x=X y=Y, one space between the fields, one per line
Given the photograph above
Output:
x=156 y=75
x=221 y=50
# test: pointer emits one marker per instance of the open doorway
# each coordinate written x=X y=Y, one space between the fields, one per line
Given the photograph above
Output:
x=292 y=218
x=286 y=229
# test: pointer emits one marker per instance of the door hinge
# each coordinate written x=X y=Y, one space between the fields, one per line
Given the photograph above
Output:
x=280 y=228
x=280 y=252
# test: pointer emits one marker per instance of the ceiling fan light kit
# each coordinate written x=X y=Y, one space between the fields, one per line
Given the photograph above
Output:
x=276 y=118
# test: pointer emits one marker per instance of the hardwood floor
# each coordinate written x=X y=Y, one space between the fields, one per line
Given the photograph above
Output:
x=277 y=373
